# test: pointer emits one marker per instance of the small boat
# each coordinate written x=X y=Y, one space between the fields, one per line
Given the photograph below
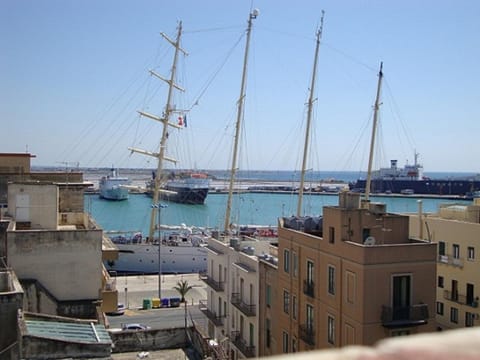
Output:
x=114 y=187
x=185 y=188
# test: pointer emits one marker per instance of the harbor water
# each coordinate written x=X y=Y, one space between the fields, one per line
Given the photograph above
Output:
x=248 y=208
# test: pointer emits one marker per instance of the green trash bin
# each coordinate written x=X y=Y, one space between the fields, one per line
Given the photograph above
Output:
x=147 y=304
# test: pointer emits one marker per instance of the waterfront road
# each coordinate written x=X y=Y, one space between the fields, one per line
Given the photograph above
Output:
x=134 y=290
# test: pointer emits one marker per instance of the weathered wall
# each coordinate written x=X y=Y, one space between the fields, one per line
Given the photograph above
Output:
x=43 y=348
x=11 y=300
x=67 y=263
x=127 y=341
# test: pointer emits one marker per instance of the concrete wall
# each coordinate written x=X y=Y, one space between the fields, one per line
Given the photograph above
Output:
x=128 y=341
x=67 y=263
x=37 y=204
x=11 y=300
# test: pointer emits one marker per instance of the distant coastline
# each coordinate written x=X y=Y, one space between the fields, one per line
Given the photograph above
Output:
x=251 y=175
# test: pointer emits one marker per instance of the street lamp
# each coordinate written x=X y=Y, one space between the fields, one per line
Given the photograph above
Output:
x=159 y=207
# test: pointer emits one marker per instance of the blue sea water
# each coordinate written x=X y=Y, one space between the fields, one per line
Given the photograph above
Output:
x=247 y=208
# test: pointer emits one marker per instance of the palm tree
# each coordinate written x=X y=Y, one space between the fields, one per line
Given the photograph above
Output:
x=183 y=288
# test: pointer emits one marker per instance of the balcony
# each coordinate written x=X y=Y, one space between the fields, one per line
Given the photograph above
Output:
x=246 y=309
x=309 y=288
x=307 y=334
x=415 y=315
x=212 y=316
x=460 y=299
x=215 y=285
x=238 y=341
x=450 y=260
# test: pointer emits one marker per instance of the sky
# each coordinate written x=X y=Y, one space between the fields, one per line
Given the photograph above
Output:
x=74 y=73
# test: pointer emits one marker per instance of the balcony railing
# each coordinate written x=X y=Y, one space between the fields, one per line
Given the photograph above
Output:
x=307 y=334
x=241 y=344
x=309 y=288
x=247 y=309
x=404 y=316
x=211 y=315
x=215 y=285
x=450 y=260
x=459 y=298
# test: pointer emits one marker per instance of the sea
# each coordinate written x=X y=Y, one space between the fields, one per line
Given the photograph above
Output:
x=247 y=208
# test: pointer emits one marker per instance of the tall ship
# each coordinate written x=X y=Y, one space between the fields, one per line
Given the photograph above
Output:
x=113 y=186
x=185 y=188
x=410 y=180
x=166 y=249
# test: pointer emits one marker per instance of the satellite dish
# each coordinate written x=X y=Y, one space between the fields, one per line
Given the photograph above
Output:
x=369 y=241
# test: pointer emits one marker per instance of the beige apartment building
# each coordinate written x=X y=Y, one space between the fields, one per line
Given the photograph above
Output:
x=232 y=302
x=456 y=229
x=357 y=279
x=54 y=247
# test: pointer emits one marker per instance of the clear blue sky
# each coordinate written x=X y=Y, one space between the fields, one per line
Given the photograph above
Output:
x=73 y=74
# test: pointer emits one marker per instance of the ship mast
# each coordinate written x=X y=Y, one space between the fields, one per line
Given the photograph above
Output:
x=164 y=119
x=309 y=117
x=241 y=102
x=374 y=131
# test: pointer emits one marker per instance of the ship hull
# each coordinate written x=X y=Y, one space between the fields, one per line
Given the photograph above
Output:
x=114 y=193
x=423 y=187
x=185 y=195
x=143 y=258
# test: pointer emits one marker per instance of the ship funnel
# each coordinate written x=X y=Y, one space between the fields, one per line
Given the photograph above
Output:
x=393 y=164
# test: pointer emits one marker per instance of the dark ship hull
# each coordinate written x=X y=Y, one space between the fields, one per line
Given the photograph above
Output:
x=186 y=195
x=425 y=187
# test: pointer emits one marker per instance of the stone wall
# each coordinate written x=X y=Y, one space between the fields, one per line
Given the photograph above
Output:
x=129 y=341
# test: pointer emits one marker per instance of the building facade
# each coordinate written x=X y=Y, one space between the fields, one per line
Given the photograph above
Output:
x=355 y=280
x=456 y=229
x=233 y=297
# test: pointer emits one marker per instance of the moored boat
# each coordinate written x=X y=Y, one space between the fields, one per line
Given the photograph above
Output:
x=185 y=188
x=410 y=179
x=173 y=251
x=113 y=186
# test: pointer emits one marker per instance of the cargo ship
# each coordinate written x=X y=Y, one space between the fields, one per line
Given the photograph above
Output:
x=410 y=180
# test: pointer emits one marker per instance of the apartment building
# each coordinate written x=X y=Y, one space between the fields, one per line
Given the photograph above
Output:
x=233 y=296
x=456 y=229
x=57 y=254
x=352 y=279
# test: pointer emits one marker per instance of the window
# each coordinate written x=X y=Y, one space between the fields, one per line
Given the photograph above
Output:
x=454 y=295
x=439 y=308
x=454 y=315
x=351 y=286
x=331 y=280
x=286 y=302
x=295 y=264
x=471 y=253
x=268 y=295
x=285 y=342
x=294 y=307
x=440 y=282
x=469 y=319
x=456 y=251
x=331 y=235
x=441 y=248
x=268 y=333
x=331 y=330
x=310 y=318
x=309 y=272
x=286 y=260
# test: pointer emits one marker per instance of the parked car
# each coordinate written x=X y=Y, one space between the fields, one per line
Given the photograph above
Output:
x=120 y=311
x=135 y=327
